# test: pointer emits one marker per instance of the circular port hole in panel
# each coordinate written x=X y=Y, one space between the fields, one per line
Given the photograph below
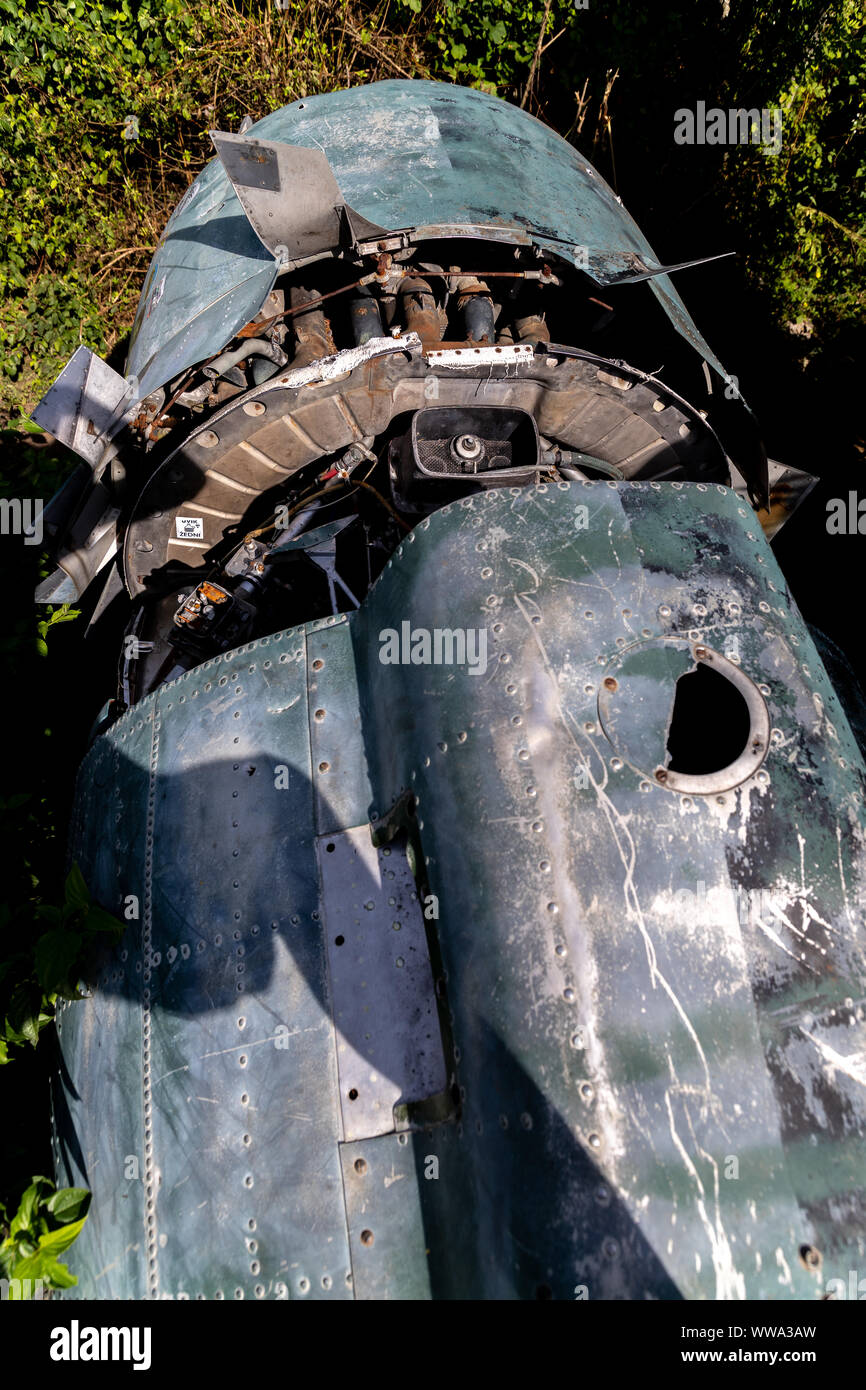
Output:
x=704 y=701
x=685 y=716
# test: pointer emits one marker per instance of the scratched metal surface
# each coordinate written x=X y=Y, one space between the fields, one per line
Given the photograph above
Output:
x=609 y=1086
x=660 y=1076
x=406 y=155
x=208 y=1039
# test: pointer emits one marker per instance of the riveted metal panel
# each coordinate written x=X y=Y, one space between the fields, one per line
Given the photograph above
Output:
x=97 y=1094
x=656 y=998
x=235 y=1122
x=386 y=1226
x=343 y=796
x=389 y=1048
x=603 y=936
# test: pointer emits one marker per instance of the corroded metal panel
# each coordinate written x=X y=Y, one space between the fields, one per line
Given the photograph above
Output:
x=678 y=980
x=655 y=995
x=389 y=1048
x=405 y=155
x=209 y=1034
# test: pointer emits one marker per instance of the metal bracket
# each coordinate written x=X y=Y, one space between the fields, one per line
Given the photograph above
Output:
x=506 y=355
x=389 y=1043
x=290 y=196
x=86 y=405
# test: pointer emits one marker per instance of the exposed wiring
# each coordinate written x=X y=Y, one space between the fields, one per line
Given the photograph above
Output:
x=298 y=507
x=360 y=482
x=345 y=479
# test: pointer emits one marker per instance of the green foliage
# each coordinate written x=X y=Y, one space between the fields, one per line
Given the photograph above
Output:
x=42 y=948
x=104 y=114
x=804 y=207
x=46 y=1223
x=63 y=614
x=105 y=109
x=490 y=44
x=69 y=75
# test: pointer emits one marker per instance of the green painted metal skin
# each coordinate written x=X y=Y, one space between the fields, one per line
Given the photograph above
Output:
x=656 y=1092
x=407 y=155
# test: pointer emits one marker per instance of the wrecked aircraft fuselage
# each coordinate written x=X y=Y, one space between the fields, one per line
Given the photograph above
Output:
x=492 y=830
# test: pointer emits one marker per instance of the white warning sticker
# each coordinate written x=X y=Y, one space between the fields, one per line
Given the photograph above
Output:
x=189 y=528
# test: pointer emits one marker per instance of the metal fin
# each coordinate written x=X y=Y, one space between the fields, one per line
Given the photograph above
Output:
x=57 y=588
x=788 y=488
x=290 y=196
x=635 y=268
x=84 y=404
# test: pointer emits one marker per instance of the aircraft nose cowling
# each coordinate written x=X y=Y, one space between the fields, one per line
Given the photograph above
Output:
x=594 y=987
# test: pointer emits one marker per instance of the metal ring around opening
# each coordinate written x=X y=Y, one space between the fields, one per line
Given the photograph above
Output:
x=757 y=744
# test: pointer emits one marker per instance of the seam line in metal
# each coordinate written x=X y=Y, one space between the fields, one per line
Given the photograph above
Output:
x=151 y=1242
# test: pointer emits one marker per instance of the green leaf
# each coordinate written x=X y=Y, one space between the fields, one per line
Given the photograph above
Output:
x=64 y=614
x=69 y=1203
x=77 y=892
x=27 y=1207
x=45 y=1266
x=56 y=1241
x=45 y=912
x=55 y=954
x=22 y=1013
x=11 y=803
x=60 y=1277
x=98 y=919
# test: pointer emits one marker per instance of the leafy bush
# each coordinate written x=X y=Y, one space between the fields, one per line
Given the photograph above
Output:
x=45 y=1224
x=104 y=114
x=105 y=109
x=803 y=208
x=42 y=948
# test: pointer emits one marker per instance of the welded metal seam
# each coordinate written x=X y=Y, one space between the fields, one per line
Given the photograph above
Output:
x=151 y=1243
